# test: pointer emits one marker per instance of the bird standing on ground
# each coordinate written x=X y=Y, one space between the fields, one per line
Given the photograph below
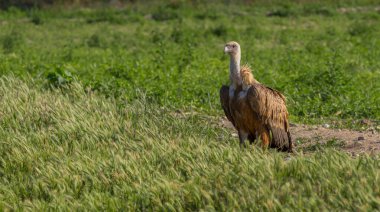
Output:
x=255 y=110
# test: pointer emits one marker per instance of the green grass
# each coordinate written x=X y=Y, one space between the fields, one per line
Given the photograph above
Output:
x=324 y=61
x=73 y=149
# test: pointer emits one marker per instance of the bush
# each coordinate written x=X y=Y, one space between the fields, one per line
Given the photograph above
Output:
x=284 y=11
x=359 y=28
x=59 y=77
x=165 y=13
x=11 y=41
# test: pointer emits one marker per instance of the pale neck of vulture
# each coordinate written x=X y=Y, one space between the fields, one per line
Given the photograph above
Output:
x=235 y=76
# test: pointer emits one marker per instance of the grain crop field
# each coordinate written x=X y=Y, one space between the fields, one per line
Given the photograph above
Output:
x=116 y=107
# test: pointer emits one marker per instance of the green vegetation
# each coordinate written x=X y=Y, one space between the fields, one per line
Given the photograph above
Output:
x=118 y=108
x=74 y=149
x=325 y=61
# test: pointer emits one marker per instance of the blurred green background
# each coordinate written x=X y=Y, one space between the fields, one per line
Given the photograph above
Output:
x=323 y=55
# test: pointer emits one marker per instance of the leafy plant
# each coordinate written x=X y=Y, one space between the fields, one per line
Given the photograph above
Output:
x=59 y=77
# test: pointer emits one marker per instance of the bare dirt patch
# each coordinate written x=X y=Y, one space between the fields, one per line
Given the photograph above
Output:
x=358 y=9
x=312 y=137
x=355 y=142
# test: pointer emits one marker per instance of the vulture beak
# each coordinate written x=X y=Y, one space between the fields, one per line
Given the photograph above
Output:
x=226 y=50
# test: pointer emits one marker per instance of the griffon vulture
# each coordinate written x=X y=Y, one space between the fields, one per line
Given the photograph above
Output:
x=255 y=110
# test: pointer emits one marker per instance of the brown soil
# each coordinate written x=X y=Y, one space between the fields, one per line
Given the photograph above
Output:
x=308 y=138
x=358 y=9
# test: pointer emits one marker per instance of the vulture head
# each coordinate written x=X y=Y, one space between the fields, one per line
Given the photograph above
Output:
x=232 y=48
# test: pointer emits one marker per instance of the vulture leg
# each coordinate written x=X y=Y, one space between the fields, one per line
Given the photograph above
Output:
x=265 y=138
x=251 y=138
x=242 y=137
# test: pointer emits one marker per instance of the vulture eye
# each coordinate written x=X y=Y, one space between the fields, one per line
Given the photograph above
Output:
x=234 y=46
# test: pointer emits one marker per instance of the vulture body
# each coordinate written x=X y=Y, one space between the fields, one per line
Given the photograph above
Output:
x=255 y=110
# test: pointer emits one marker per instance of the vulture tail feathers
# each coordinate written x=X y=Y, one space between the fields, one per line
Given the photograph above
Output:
x=281 y=139
x=290 y=143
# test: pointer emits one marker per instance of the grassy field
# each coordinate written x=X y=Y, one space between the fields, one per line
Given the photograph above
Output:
x=73 y=149
x=118 y=108
x=326 y=62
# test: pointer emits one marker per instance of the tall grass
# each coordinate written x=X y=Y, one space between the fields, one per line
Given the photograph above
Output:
x=73 y=149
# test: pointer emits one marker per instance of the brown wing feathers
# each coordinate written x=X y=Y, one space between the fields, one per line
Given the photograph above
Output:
x=270 y=106
x=224 y=101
